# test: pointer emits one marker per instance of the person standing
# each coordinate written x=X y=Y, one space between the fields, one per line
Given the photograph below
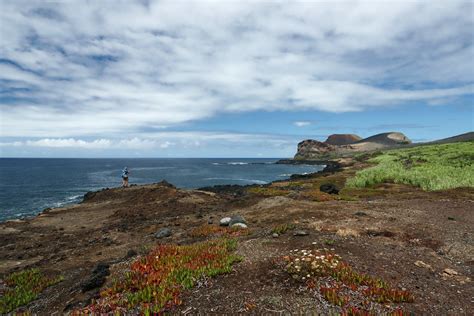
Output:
x=125 y=177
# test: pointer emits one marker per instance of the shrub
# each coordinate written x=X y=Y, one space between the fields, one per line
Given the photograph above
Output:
x=340 y=281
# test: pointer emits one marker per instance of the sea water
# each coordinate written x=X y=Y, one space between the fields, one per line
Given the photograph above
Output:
x=28 y=186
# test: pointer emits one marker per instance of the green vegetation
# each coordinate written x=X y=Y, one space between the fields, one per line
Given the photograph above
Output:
x=23 y=287
x=283 y=228
x=155 y=282
x=268 y=191
x=431 y=167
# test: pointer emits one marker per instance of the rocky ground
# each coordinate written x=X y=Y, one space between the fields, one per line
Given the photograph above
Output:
x=419 y=241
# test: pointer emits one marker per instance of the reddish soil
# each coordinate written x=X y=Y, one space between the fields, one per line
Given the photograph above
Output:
x=381 y=231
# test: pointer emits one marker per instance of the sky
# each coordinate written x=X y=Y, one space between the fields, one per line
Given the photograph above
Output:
x=228 y=78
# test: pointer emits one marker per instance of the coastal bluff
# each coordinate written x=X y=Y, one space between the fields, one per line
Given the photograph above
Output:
x=339 y=145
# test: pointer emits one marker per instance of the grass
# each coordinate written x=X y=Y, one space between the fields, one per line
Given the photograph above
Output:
x=219 y=231
x=23 y=287
x=268 y=191
x=317 y=196
x=154 y=283
x=432 y=167
x=339 y=284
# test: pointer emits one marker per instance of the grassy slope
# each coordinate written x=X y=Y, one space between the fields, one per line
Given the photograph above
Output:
x=433 y=167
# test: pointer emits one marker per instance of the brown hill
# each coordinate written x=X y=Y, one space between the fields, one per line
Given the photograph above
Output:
x=342 y=139
x=314 y=150
x=458 y=138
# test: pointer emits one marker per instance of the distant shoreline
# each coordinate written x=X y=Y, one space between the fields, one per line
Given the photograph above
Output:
x=218 y=168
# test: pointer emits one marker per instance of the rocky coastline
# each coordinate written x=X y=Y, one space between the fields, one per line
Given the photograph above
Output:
x=91 y=244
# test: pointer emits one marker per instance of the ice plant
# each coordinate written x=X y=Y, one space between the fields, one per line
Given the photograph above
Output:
x=155 y=282
x=23 y=287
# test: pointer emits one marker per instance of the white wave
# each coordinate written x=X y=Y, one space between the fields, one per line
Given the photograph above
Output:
x=151 y=168
x=237 y=163
x=239 y=179
x=74 y=197
x=285 y=175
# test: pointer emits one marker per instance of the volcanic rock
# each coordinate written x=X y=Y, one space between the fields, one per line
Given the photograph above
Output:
x=342 y=139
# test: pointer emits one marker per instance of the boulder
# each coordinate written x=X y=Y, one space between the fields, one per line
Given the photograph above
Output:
x=240 y=225
x=300 y=233
x=224 y=221
x=329 y=188
x=164 y=232
x=237 y=219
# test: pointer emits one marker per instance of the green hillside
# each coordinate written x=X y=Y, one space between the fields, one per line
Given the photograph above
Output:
x=432 y=167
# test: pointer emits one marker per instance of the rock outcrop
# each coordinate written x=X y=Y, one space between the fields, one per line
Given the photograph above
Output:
x=312 y=149
x=340 y=145
x=342 y=139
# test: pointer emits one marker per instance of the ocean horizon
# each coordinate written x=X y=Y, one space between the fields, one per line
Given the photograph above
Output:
x=30 y=185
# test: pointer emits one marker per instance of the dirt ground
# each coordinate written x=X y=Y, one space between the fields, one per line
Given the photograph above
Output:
x=385 y=232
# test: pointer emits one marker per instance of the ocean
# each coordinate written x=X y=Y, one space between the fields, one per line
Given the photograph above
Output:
x=28 y=186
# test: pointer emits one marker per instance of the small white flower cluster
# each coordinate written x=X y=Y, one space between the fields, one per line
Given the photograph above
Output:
x=304 y=264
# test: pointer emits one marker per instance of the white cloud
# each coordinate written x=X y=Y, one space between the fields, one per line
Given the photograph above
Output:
x=161 y=141
x=92 y=69
x=301 y=123
x=69 y=142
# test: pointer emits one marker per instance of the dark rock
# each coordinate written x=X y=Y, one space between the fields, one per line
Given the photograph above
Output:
x=131 y=253
x=164 y=232
x=166 y=184
x=237 y=219
x=88 y=196
x=233 y=189
x=381 y=233
x=97 y=279
x=329 y=188
x=210 y=221
x=451 y=218
x=300 y=233
x=360 y=214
